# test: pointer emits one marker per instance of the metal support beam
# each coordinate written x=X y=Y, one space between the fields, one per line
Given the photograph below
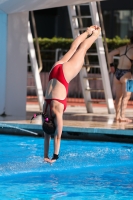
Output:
x=35 y=70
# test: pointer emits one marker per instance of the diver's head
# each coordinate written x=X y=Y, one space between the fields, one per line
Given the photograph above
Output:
x=48 y=125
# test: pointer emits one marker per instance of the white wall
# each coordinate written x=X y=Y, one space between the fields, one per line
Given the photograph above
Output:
x=3 y=41
x=16 y=68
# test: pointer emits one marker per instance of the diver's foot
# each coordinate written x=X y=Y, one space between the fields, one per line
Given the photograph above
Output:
x=90 y=29
x=124 y=119
x=117 y=119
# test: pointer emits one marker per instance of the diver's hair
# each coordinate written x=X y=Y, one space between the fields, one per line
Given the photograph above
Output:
x=131 y=39
x=48 y=124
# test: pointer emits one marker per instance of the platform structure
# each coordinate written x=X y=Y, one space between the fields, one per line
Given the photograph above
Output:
x=14 y=17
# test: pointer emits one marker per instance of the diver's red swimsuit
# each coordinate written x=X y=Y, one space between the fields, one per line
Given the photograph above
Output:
x=57 y=73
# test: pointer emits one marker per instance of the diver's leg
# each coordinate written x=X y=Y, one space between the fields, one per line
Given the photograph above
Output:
x=75 y=45
x=74 y=65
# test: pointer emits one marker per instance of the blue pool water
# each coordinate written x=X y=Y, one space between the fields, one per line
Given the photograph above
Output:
x=85 y=170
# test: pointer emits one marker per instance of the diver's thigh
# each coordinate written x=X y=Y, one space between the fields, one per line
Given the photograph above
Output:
x=74 y=65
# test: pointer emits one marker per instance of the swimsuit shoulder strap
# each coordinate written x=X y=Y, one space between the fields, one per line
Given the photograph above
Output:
x=125 y=51
x=127 y=55
x=129 y=49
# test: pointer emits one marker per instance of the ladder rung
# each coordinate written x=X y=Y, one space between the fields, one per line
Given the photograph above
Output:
x=28 y=64
x=81 y=17
x=81 y=29
x=93 y=78
x=91 y=54
x=92 y=66
x=94 y=90
x=94 y=101
x=86 y=4
x=31 y=87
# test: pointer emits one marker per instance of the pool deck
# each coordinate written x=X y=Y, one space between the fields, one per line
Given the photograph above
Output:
x=77 y=123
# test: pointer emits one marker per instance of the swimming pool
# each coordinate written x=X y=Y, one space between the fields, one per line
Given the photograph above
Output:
x=85 y=170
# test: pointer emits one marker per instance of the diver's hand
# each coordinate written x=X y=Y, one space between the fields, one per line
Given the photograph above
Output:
x=112 y=69
x=47 y=160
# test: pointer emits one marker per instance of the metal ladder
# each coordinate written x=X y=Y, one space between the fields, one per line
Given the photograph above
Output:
x=79 y=22
x=34 y=67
